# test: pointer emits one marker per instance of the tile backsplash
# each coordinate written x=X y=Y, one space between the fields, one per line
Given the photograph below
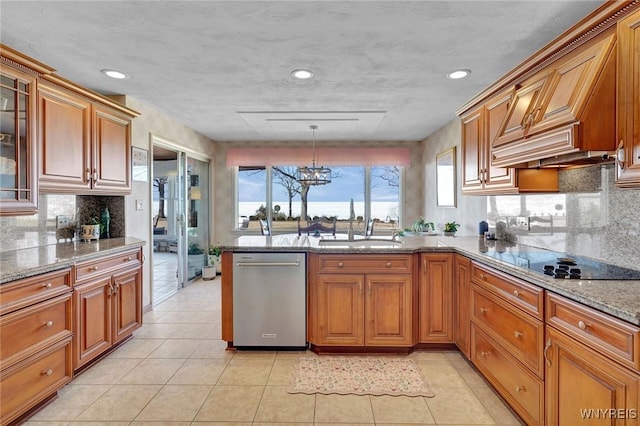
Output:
x=40 y=229
x=588 y=217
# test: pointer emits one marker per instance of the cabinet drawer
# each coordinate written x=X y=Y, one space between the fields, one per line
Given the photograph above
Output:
x=523 y=390
x=517 y=331
x=608 y=335
x=29 y=330
x=365 y=263
x=92 y=268
x=524 y=295
x=27 y=383
x=19 y=294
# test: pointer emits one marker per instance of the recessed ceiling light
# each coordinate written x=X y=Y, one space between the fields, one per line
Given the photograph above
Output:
x=302 y=74
x=454 y=75
x=114 y=74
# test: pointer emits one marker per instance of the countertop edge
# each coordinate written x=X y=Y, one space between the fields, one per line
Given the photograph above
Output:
x=576 y=290
x=72 y=253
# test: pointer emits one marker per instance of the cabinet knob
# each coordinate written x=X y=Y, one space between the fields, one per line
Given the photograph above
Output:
x=340 y=264
x=388 y=265
x=49 y=323
x=519 y=388
x=516 y=293
x=482 y=353
x=517 y=334
x=582 y=325
x=93 y=269
x=483 y=310
x=47 y=372
x=47 y=285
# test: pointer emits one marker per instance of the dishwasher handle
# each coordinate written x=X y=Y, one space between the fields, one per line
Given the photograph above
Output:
x=296 y=263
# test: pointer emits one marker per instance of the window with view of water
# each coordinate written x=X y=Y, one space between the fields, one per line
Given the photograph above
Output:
x=375 y=191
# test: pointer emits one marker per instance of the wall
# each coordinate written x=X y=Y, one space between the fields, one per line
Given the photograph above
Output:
x=469 y=210
x=152 y=122
x=589 y=216
x=224 y=182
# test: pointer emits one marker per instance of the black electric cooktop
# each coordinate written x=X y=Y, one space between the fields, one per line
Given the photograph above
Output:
x=561 y=265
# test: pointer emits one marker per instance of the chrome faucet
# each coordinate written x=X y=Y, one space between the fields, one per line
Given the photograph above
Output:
x=352 y=215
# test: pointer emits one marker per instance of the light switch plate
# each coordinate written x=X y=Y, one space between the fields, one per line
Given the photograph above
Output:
x=523 y=223
x=138 y=204
x=62 y=222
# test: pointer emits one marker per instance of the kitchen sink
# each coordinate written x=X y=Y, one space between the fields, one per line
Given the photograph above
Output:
x=370 y=242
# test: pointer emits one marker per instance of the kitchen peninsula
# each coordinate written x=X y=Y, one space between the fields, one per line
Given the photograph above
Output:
x=528 y=333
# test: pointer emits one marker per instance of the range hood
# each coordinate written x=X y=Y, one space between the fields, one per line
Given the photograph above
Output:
x=579 y=158
x=565 y=114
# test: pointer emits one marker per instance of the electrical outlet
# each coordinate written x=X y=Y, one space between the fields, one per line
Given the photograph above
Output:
x=523 y=223
x=62 y=222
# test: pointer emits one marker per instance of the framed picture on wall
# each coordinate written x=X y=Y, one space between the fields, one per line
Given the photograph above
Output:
x=446 y=178
x=140 y=164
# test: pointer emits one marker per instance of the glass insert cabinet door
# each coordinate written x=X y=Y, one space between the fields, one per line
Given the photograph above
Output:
x=18 y=182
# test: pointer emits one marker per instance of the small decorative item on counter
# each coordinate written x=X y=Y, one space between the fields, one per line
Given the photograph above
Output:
x=91 y=231
x=483 y=227
x=422 y=227
x=450 y=228
x=105 y=223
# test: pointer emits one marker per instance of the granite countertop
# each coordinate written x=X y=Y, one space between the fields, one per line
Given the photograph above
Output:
x=619 y=298
x=27 y=262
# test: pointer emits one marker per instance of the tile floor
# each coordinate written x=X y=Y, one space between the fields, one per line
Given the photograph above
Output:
x=165 y=281
x=176 y=372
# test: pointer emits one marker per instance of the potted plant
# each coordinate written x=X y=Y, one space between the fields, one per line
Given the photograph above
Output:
x=91 y=231
x=422 y=227
x=214 y=256
x=450 y=228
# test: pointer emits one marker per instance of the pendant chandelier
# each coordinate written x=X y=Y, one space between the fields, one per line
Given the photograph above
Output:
x=314 y=175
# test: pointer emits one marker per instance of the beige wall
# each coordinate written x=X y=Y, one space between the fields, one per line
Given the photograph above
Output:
x=469 y=209
x=224 y=188
x=138 y=222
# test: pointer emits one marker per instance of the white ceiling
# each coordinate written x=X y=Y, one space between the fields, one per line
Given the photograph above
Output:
x=223 y=68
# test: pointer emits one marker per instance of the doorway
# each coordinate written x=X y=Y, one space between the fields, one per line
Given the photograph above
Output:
x=180 y=219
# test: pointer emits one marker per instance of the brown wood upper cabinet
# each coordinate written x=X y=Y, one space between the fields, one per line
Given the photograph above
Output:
x=18 y=86
x=628 y=164
x=85 y=146
x=480 y=127
x=566 y=107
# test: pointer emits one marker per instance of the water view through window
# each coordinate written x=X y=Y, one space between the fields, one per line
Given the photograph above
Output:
x=375 y=191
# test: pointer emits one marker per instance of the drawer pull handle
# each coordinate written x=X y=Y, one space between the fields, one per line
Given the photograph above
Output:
x=482 y=353
x=517 y=334
x=544 y=354
x=93 y=269
x=49 y=323
x=47 y=372
x=516 y=293
x=520 y=388
x=388 y=265
x=483 y=310
x=582 y=325
x=128 y=259
x=482 y=276
x=47 y=285
x=340 y=264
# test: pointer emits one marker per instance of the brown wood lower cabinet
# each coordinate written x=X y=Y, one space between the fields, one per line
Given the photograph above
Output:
x=35 y=343
x=461 y=303
x=523 y=390
x=436 y=298
x=585 y=387
x=351 y=308
x=107 y=303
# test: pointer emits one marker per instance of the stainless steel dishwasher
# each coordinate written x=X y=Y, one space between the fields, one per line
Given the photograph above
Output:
x=269 y=300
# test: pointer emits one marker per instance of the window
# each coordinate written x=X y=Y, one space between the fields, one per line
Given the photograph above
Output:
x=375 y=191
